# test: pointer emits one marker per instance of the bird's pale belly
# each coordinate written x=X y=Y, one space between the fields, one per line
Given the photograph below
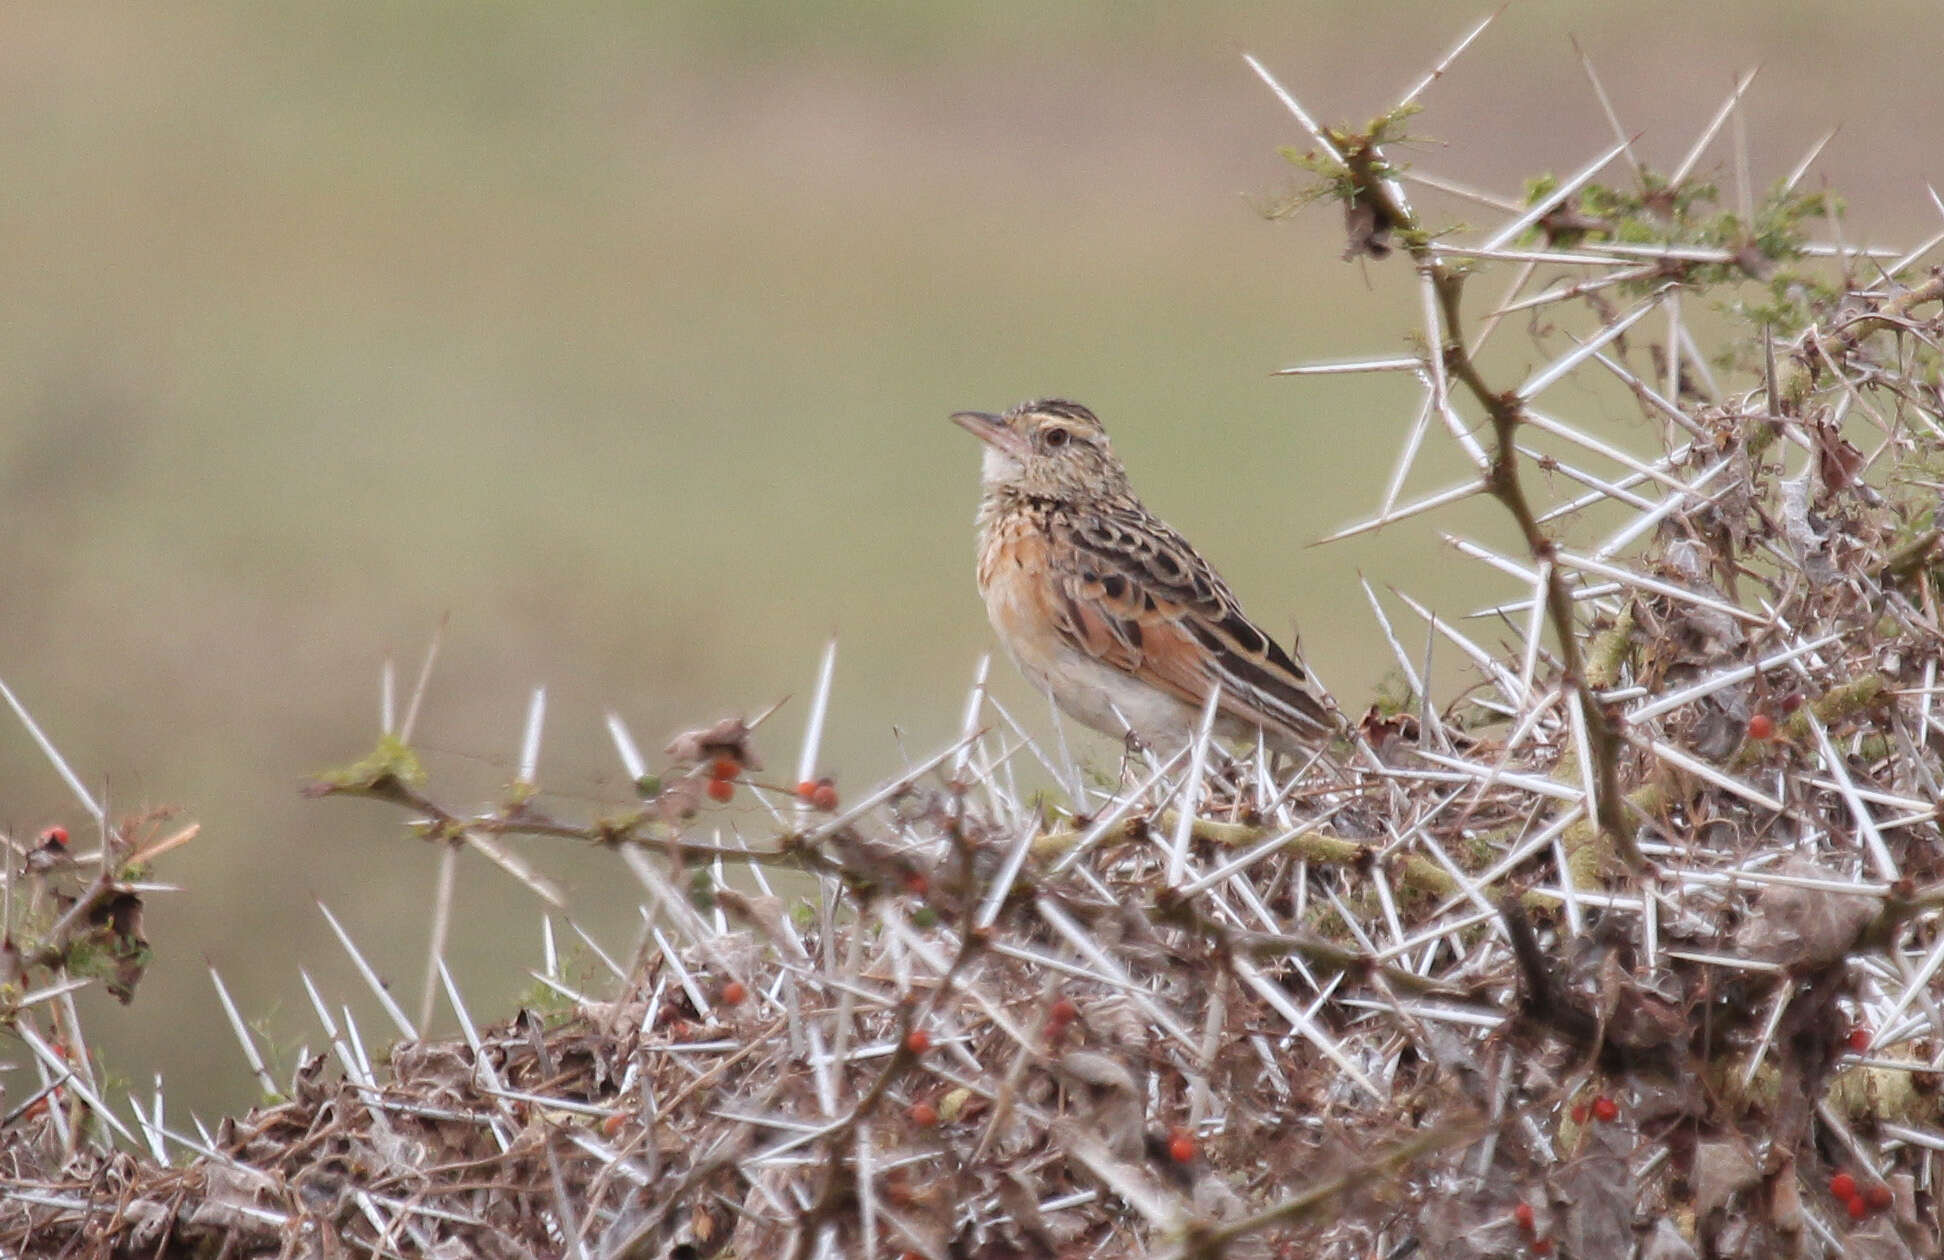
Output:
x=1104 y=698
x=1087 y=690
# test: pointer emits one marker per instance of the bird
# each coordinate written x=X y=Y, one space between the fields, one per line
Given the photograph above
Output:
x=1101 y=604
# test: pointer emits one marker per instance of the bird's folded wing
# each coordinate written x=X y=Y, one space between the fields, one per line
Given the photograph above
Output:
x=1135 y=595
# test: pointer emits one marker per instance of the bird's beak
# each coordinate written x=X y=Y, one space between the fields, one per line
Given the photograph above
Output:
x=992 y=430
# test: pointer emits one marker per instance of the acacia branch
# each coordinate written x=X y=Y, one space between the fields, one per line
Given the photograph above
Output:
x=1805 y=367
x=1505 y=409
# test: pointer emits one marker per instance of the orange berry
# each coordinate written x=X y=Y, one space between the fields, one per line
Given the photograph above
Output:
x=1761 y=726
x=1858 y=1209
x=1842 y=1185
x=1523 y=1215
x=1181 y=1147
x=824 y=797
x=734 y=993
x=1877 y=1196
x=612 y=1124
x=721 y=789
x=917 y=1041
x=923 y=1114
x=806 y=789
x=725 y=768
x=1605 y=1108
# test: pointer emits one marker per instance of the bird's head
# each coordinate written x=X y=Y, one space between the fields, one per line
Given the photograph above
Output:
x=1046 y=449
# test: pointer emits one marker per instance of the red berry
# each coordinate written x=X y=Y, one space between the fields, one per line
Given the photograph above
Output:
x=1859 y=1039
x=1842 y=1185
x=824 y=797
x=1580 y=1112
x=805 y=789
x=1858 y=1209
x=1523 y=1215
x=1877 y=1196
x=1605 y=1108
x=1181 y=1147
x=923 y=1114
x=1792 y=702
x=917 y=1041
x=1059 y=1017
x=916 y=884
x=721 y=789
x=733 y=993
x=1542 y=1246
x=56 y=836
x=1761 y=726
x=725 y=768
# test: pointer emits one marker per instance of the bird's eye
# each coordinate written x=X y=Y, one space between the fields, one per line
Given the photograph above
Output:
x=1056 y=438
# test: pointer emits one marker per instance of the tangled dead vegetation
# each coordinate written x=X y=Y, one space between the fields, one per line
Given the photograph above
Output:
x=1630 y=950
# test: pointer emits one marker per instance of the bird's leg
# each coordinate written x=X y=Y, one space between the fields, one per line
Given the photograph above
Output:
x=1132 y=747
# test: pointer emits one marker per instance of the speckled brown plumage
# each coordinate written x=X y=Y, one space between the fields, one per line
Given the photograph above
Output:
x=1106 y=607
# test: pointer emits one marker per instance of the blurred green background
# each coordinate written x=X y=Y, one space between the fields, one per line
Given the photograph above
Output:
x=624 y=335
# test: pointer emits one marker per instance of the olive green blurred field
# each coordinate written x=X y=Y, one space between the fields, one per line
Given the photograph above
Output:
x=624 y=336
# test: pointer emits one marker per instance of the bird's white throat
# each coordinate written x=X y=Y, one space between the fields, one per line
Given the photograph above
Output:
x=998 y=467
